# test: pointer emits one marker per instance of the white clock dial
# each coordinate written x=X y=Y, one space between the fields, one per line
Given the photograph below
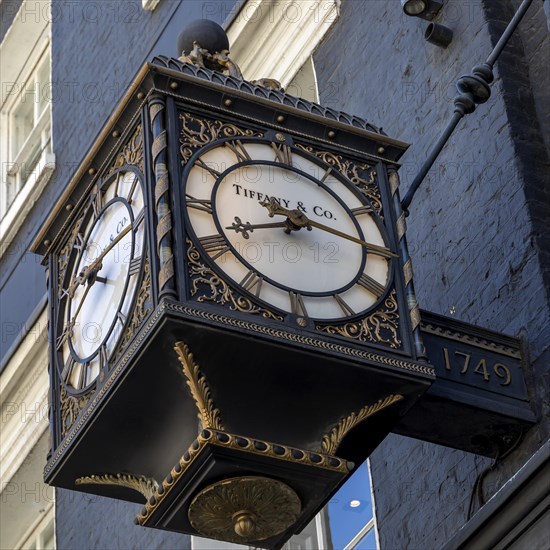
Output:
x=321 y=254
x=99 y=290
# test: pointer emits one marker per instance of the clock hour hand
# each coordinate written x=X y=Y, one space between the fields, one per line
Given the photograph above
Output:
x=274 y=207
x=295 y=218
x=246 y=227
x=89 y=272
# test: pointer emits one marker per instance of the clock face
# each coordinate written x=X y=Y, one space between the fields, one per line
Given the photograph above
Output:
x=101 y=280
x=287 y=228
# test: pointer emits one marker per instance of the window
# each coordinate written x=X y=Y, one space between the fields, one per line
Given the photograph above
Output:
x=26 y=159
x=286 y=33
x=28 y=132
x=346 y=522
x=351 y=513
x=41 y=536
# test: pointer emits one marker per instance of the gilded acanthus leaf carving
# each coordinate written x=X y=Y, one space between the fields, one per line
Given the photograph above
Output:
x=361 y=175
x=380 y=327
x=332 y=440
x=70 y=407
x=208 y=415
x=198 y=132
x=131 y=153
x=215 y=289
x=144 y=485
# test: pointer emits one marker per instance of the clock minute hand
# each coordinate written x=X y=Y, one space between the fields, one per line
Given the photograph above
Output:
x=380 y=250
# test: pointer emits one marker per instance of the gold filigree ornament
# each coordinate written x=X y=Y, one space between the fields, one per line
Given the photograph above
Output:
x=244 y=509
x=208 y=415
x=131 y=153
x=363 y=176
x=380 y=327
x=70 y=407
x=219 y=291
x=144 y=485
x=332 y=440
x=198 y=132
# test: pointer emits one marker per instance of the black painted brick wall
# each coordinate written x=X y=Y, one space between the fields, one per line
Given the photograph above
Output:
x=476 y=225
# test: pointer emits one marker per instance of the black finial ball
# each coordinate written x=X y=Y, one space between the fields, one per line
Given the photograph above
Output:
x=208 y=34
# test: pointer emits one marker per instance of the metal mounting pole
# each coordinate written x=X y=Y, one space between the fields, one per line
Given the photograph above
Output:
x=473 y=89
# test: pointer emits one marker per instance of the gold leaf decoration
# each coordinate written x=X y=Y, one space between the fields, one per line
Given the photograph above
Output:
x=144 y=485
x=218 y=291
x=380 y=327
x=208 y=415
x=131 y=153
x=70 y=407
x=332 y=440
x=363 y=176
x=244 y=509
x=198 y=132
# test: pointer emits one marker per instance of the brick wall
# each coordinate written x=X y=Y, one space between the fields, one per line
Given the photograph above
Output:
x=475 y=228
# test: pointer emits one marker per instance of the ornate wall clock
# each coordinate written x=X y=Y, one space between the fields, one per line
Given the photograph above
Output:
x=229 y=251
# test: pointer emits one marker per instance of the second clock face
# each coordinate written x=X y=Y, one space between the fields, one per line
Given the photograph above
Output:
x=100 y=284
x=287 y=228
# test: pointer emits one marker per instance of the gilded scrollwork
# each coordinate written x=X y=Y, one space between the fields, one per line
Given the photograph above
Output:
x=380 y=327
x=198 y=132
x=332 y=440
x=363 y=176
x=131 y=153
x=70 y=407
x=207 y=286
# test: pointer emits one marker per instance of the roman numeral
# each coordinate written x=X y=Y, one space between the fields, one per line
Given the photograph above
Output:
x=132 y=189
x=214 y=245
x=361 y=210
x=138 y=219
x=326 y=175
x=78 y=242
x=67 y=370
x=135 y=266
x=297 y=305
x=343 y=305
x=371 y=285
x=97 y=203
x=283 y=153
x=62 y=338
x=121 y=317
x=198 y=204
x=103 y=359
x=252 y=282
x=213 y=172
x=82 y=376
x=239 y=150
